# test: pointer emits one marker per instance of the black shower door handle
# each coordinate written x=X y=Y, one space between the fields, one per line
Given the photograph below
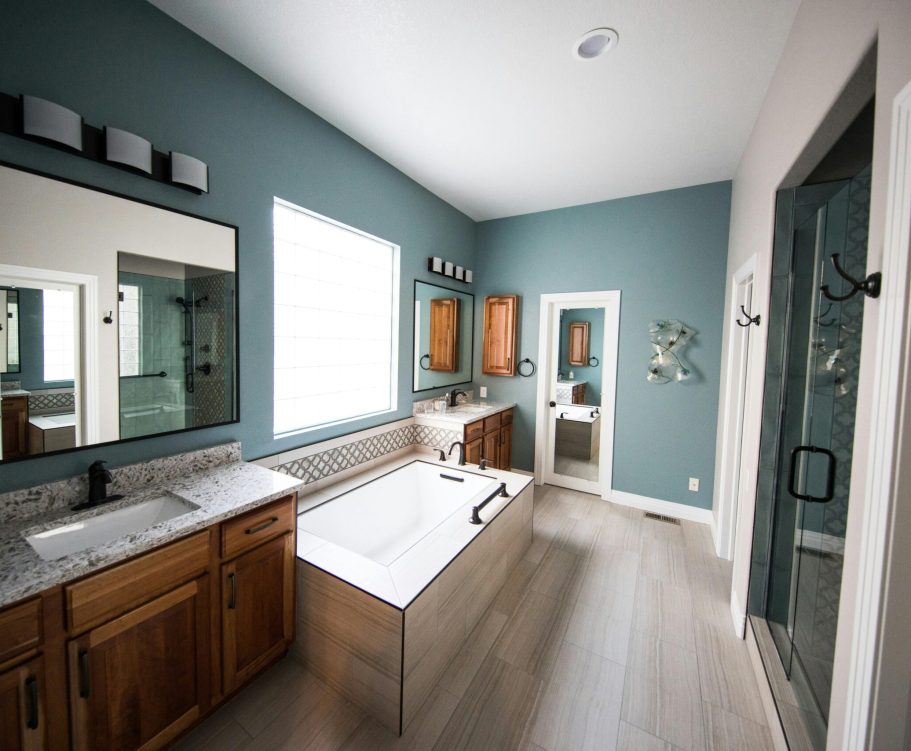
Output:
x=830 y=475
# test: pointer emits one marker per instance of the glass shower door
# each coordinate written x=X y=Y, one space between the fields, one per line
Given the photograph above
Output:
x=815 y=432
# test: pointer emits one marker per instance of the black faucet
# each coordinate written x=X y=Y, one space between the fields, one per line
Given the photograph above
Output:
x=461 y=452
x=454 y=395
x=99 y=479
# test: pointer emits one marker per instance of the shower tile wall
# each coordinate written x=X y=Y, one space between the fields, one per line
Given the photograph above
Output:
x=213 y=394
x=148 y=403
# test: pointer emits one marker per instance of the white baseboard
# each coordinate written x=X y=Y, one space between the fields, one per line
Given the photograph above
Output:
x=738 y=616
x=657 y=506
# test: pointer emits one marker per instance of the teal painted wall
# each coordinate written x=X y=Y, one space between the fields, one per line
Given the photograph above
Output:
x=590 y=374
x=31 y=344
x=126 y=64
x=667 y=253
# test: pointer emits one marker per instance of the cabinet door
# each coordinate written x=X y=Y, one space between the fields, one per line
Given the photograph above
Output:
x=505 y=447
x=22 y=707
x=141 y=679
x=257 y=609
x=14 y=424
x=578 y=343
x=473 y=451
x=499 y=356
x=444 y=335
x=491 y=449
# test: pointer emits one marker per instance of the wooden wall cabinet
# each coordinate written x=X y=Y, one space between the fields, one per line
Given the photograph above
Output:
x=444 y=334
x=14 y=424
x=499 y=356
x=490 y=439
x=578 y=343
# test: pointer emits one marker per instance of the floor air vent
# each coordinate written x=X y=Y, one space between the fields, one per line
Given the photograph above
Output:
x=662 y=518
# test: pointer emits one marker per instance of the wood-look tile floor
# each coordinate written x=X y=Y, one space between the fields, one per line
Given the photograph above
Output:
x=613 y=633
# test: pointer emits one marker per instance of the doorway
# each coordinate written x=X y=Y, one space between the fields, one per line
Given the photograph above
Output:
x=576 y=393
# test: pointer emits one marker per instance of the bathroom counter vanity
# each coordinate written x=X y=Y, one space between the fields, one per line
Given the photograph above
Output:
x=486 y=430
x=127 y=643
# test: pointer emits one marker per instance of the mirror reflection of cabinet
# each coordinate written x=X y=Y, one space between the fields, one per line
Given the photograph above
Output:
x=578 y=343
x=500 y=335
x=444 y=335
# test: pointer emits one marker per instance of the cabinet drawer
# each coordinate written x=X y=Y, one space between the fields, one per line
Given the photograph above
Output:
x=506 y=417
x=20 y=629
x=257 y=526
x=103 y=596
x=492 y=422
x=474 y=430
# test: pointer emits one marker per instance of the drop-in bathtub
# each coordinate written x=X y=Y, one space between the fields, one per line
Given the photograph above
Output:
x=578 y=432
x=392 y=576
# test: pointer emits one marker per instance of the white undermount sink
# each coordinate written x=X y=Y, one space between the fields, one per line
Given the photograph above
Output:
x=73 y=536
x=470 y=408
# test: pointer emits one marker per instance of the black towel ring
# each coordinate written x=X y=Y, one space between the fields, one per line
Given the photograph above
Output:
x=594 y=364
x=519 y=368
x=421 y=362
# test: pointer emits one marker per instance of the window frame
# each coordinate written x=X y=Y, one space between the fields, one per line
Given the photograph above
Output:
x=395 y=315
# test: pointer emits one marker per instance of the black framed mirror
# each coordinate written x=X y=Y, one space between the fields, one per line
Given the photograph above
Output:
x=127 y=317
x=443 y=336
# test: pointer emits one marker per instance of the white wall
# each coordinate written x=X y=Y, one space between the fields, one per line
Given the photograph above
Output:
x=53 y=225
x=826 y=43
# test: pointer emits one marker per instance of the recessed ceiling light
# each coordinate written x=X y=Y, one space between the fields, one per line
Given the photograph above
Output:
x=595 y=43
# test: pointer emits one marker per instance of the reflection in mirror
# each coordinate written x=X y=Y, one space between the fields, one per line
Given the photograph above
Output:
x=101 y=280
x=176 y=324
x=443 y=322
x=9 y=330
x=578 y=414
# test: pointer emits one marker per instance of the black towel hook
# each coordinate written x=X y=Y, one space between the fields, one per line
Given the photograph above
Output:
x=870 y=286
x=750 y=319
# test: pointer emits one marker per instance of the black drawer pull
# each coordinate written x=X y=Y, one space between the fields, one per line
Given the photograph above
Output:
x=260 y=527
x=84 y=683
x=232 y=602
x=31 y=701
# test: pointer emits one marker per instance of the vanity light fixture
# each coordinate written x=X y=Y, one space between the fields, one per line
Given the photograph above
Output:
x=189 y=171
x=51 y=121
x=595 y=43
x=448 y=268
x=128 y=149
x=460 y=273
x=435 y=264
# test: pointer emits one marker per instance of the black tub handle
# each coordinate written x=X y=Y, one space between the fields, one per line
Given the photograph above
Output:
x=830 y=474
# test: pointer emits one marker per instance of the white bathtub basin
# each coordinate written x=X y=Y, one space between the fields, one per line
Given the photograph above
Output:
x=92 y=531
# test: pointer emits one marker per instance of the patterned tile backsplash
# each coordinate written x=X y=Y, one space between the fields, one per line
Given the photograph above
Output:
x=51 y=402
x=326 y=463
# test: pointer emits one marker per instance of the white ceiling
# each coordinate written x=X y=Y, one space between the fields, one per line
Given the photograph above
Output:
x=482 y=102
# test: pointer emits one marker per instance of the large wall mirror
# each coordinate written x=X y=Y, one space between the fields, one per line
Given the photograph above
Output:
x=443 y=336
x=121 y=318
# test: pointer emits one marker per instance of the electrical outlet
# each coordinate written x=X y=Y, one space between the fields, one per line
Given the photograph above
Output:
x=483 y=391
x=694 y=484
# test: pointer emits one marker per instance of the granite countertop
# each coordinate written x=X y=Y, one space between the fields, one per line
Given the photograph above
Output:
x=570 y=383
x=13 y=392
x=220 y=492
x=464 y=413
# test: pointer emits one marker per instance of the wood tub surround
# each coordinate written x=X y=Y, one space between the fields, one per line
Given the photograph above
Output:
x=133 y=655
x=387 y=659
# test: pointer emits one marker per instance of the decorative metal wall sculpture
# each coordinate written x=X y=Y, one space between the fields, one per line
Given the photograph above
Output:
x=668 y=337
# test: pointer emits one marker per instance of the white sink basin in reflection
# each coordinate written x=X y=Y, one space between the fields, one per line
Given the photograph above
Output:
x=469 y=408
x=73 y=536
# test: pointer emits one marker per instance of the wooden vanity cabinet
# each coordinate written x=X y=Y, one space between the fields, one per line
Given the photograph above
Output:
x=14 y=426
x=490 y=439
x=499 y=345
x=22 y=713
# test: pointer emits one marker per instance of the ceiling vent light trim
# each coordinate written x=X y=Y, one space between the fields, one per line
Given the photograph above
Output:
x=595 y=43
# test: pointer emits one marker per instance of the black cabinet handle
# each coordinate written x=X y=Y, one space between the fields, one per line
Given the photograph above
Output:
x=232 y=602
x=830 y=474
x=84 y=683
x=31 y=702
x=260 y=527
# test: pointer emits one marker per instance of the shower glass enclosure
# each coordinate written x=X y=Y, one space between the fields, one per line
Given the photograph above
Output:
x=808 y=419
x=176 y=347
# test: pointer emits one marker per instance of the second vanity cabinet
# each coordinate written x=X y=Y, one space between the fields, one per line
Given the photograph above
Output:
x=145 y=648
x=490 y=439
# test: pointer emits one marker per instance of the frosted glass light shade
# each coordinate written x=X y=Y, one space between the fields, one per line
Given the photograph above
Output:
x=189 y=171
x=123 y=147
x=44 y=119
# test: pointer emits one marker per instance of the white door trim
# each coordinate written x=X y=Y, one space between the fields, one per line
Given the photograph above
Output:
x=550 y=303
x=86 y=376
x=877 y=680
x=727 y=491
